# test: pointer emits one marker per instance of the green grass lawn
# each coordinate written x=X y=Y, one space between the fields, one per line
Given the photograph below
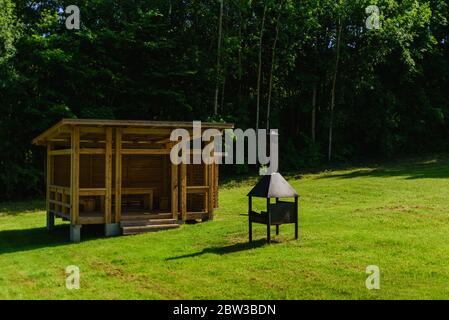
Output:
x=395 y=216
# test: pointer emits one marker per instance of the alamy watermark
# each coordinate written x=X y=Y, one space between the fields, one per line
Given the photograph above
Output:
x=373 y=279
x=207 y=147
x=372 y=22
x=72 y=22
x=73 y=277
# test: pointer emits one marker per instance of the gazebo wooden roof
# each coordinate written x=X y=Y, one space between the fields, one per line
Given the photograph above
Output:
x=65 y=124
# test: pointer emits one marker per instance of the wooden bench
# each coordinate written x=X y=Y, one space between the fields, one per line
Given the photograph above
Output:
x=147 y=193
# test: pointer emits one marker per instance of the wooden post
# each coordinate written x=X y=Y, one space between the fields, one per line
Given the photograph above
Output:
x=108 y=177
x=75 y=168
x=216 y=177
x=250 y=223
x=205 y=183
x=49 y=182
x=210 y=194
x=183 y=191
x=164 y=176
x=174 y=190
x=118 y=175
x=49 y=175
x=209 y=172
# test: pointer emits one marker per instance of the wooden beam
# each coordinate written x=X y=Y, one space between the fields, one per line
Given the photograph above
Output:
x=92 y=191
x=60 y=140
x=60 y=152
x=174 y=190
x=92 y=220
x=118 y=174
x=149 y=131
x=146 y=151
x=87 y=130
x=163 y=141
x=49 y=175
x=92 y=151
x=164 y=127
x=197 y=189
x=108 y=177
x=75 y=168
x=60 y=203
x=60 y=189
x=183 y=191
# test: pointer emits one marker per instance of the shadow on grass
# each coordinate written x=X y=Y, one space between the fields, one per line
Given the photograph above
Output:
x=224 y=250
x=432 y=169
x=37 y=238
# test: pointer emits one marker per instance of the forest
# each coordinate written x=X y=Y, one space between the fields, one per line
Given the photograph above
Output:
x=336 y=90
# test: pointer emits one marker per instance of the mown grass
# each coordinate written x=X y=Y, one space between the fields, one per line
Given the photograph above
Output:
x=394 y=216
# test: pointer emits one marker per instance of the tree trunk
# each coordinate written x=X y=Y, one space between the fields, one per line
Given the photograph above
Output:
x=240 y=55
x=273 y=54
x=220 y=29
x=313 y=124
x=223 y=87
x=259 y=71
x=334 y=83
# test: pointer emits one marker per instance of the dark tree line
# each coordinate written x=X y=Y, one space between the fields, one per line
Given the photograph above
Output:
x=310 y=68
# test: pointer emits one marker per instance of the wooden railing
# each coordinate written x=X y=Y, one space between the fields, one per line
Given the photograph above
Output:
x=198 y=190
x=60 y=201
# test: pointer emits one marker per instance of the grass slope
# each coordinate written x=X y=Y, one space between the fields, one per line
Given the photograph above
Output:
x=393 y=216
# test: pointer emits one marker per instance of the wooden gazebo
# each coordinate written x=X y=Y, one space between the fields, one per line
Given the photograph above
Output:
x=118 y=173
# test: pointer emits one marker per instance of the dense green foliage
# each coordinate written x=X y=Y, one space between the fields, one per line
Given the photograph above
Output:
x=154 y=59
x=349 y=219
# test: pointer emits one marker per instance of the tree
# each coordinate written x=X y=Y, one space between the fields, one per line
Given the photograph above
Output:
x=259 y=65
x=9 y=30
x=220 y=30
x=334 y=84
x=273 y=55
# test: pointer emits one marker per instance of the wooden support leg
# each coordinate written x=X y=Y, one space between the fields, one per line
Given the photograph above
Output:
x=277 y=229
